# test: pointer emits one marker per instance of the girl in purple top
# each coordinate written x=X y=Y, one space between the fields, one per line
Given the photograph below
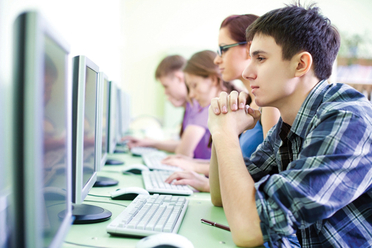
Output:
x=193 y=131
x=204 y=81
x=198 y=116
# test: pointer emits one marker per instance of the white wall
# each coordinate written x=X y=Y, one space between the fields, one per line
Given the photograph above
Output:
x=128 y=38
x=91 y=27
x=154 y=29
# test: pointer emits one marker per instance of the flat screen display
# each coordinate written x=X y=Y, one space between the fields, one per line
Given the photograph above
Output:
x=55 y=147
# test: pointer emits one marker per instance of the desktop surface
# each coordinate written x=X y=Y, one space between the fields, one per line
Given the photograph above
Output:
x=200 y=207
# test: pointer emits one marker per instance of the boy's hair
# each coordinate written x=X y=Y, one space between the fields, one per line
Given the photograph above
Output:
x=297 y=29
x=169 y=65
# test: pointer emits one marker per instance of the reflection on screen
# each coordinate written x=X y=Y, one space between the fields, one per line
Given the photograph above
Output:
x=89 y=124
x=55 y=140
x=113 y=115
x=104 y=119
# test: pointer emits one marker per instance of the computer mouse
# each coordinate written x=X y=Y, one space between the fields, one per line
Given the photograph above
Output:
x=128 y=193
x=164 y=240
x=135 y=169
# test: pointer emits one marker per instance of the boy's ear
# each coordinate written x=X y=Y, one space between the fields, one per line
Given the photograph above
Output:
x=180 y=76
x=304 y=62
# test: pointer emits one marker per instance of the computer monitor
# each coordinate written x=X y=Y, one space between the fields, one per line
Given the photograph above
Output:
x=4 y=181
x=86 y=153
x=113 y=117
x=41 y=159
x=103 y=111
x=125 y=116
x=114 y=120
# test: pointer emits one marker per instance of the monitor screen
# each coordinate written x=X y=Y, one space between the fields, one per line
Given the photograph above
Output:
x=4 y=179
x=104 y=120
x=124 y=113
x=42 y=135
x=113 y=117
x=89 y=124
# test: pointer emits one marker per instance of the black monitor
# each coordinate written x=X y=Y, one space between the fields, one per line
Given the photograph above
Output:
x=41 y=134
x=103 y=109
x=85 y=152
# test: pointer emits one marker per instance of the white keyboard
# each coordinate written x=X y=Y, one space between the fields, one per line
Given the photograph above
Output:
x=154 y=183
x=150 y=214
x=153 y=161
x=140 y=150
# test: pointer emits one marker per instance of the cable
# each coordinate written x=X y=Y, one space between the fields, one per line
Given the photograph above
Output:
x=111 y=171
x=104 y=196
x=72 y=243
x=107 y=203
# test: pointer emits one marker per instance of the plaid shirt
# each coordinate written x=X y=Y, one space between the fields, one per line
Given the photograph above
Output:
x=326 y=190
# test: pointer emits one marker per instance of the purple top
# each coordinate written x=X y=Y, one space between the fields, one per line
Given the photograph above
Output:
x=196 y=115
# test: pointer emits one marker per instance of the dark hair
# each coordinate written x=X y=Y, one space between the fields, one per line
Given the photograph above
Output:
x=297 y=29
x=169 y=65
x=237 y=24
x=201 y=64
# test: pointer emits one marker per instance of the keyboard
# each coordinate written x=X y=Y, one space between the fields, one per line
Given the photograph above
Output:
x=153 y=161
x=140 y=150
x=150 y=214
x=154 y=183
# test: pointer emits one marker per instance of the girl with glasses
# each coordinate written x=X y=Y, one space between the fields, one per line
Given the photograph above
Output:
x=232 y=58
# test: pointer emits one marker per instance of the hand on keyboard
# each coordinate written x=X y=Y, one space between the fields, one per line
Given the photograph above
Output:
x=181 y=161
x=195 y=180
x=154 y=182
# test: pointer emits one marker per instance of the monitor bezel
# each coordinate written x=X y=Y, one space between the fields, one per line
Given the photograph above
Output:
x=80 y=191
x=102 y=78
x=28 y=67
x=112 y=127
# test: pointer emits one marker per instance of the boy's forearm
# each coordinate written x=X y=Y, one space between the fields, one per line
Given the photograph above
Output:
x=214 y=179
x=237 y=191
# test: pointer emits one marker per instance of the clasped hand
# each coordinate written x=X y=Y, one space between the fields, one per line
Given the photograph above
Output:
x=231 y=114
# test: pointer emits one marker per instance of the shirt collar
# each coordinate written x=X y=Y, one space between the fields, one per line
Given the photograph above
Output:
x=309 y=108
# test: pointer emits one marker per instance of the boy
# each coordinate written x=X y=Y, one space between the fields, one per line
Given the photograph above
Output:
x=312 y=175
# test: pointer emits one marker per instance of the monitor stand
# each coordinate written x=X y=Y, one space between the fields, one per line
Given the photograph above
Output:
x=87 y=214
x=113 y=162
x=105 y=182
x=120 y=151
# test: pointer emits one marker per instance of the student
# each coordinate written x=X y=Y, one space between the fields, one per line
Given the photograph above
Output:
x=312 y=174
x=232 y=58
x=204 y=81
x=169 y=73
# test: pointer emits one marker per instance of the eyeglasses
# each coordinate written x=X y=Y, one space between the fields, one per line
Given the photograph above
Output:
x=223 y=49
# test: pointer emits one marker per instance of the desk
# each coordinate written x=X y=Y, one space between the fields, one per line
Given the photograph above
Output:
x=200 y=206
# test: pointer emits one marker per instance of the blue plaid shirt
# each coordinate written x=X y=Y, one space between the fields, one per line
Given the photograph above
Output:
x=326 y=191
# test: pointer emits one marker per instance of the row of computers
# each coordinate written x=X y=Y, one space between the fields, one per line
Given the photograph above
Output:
x=66 y=120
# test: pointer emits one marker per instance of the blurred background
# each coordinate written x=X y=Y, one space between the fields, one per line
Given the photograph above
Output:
x=128 y=38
